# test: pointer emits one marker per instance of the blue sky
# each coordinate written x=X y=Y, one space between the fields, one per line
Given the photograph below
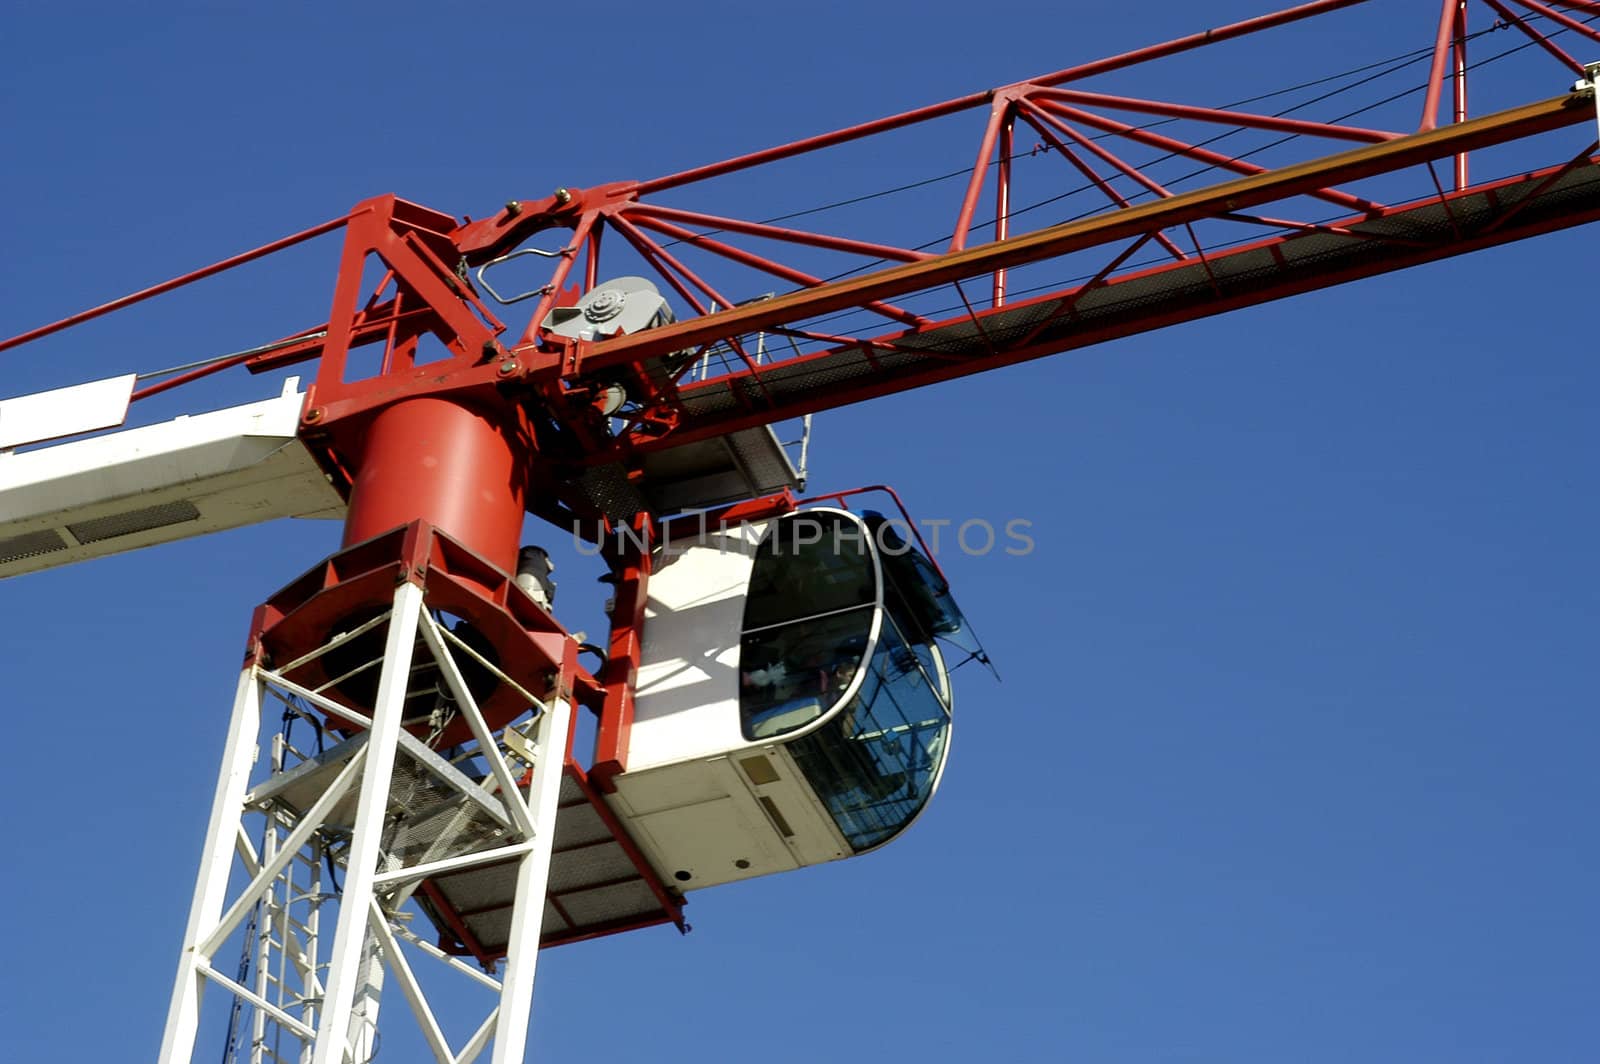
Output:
x=1293 y=755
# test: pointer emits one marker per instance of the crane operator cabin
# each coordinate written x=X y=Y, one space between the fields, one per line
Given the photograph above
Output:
x=793 y=701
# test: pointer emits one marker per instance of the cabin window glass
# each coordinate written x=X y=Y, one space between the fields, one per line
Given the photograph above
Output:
x=791 y=674
x=874 y=765
x=807 y=621
x=915 y=592
x=810 y=563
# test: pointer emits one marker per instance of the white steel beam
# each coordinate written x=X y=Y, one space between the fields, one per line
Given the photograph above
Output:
x=480 y=728
x=361 y=861
x=533 y=877
x=480 y=1039
x=327 y=704
x=429 y=1024
x=446 y=959
x=412 y=873
x=277 y=1014
x=322 y=991
x=216 y=862
x=308 y=826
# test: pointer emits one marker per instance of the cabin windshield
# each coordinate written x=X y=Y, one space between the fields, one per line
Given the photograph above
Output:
x=874 y=765
x=807 y=621
x=916 y=593
x=812 y=613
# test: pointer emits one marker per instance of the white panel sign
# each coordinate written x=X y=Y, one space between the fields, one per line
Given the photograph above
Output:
x=65 y=411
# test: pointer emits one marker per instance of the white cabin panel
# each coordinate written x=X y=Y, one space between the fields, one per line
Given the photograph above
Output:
x=711 y=843
x=703 y=823
x=792 y=705
x=686 y=703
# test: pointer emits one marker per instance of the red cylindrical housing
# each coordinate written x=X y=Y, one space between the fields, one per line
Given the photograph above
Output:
x=445 y=463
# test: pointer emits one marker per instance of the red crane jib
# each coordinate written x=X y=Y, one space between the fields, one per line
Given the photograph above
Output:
x=579 y=414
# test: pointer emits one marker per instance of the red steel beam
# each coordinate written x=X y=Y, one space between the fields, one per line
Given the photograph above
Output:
x=1192 y=151
x=1039 y=123
x=1459 y=58
x=1070 y=303
x=882 y=384
x=1105 y=155
x=980 y=172
x=978 y=99
x=177 y=282
x=1560 y=54
x=1002 y=197
x=1211 y=114
x=765 y=265
x=1229 y=196
x=1568 y=21
x=660 y=256
x=676 y=274
x=791 y=236
x=622 y=656
x=1194 y=40
x=580 y=234
x=1449 y=15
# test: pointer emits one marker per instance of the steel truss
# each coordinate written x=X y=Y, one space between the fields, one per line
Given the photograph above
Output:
x=860 y=314
x=346 y=836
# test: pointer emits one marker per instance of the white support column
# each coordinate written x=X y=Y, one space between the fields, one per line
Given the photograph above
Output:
x=533 y=876
x=361 y=862
x=275 y=903
x=383 y=934
x=362 y=1037
x=311 y=945
x=314 y=995
x=216 y=862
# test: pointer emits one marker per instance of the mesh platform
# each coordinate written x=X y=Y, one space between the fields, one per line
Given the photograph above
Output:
x=599 y=882
x=692 y=476
x=1125 y=305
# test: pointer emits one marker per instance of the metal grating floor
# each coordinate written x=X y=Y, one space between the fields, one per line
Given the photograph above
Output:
x=692 y=476
x=1124 y=305
x=599 y=884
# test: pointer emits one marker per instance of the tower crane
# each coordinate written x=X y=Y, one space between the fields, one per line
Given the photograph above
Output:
x=402 y=786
